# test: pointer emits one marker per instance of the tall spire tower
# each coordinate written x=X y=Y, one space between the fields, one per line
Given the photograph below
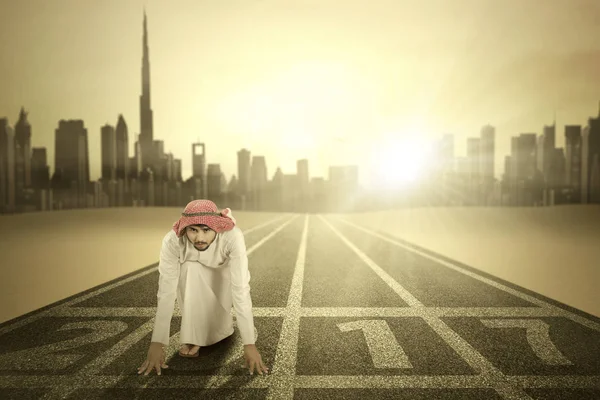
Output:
x=146 y=125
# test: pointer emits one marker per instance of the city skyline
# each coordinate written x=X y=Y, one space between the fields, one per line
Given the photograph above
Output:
x=44 y=122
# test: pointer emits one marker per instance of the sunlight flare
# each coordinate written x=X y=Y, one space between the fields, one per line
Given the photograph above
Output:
x=398 y=160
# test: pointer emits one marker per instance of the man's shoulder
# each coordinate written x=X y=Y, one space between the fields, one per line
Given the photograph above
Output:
x=233 y=234
x=171 y=237
x=232 y=238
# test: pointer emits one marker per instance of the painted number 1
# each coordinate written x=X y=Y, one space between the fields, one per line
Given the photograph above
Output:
x=381 y=342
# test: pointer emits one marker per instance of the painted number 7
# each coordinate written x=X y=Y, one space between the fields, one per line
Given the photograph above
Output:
x=383 y=347
x=538 y=337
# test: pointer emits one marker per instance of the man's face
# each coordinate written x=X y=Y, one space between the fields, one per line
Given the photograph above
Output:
x=201 y=236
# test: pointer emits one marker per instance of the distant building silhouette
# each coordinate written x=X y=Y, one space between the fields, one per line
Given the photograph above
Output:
x=71 y=164
x=303 y=184
x=199 y=169
x=177 y=174
x=524 y=175
x=108 y=153
x=258 y=183
x=590 y=162
x=278 y=200
x=487 y=149
x=146 y=137
x=215 y=191
x=122 y=150
x=473 y=155
x=244 y=172
x=573 y=161
x=108 y=156
x=40 y=179
x=24 y=194
x=545 y=152
x=7 y=167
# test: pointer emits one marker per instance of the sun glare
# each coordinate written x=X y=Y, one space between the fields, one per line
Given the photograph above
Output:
x=400 y=161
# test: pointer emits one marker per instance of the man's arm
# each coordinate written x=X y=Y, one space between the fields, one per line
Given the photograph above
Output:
x=168 y=268
x=240 y=287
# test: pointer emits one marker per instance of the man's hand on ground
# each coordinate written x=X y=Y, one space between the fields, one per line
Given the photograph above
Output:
x=253 y=360
x=154 y=360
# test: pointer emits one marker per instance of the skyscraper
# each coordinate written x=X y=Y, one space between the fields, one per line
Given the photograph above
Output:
x=486 y=153
x=7 y=167
x=545 y=154
x=40 y=171
x=590 y=161
x=108 y=152
x=573 y=159
x=524 y=158
x=146 y=136
x=487 y=150
x=214 y=188
x=22 y=152
x=474 y=176
x=71 y=159
x=177 y=169
x=199 y=168
x=243 y=172
x=122 y=136
x=258 y=182
x=303 y=183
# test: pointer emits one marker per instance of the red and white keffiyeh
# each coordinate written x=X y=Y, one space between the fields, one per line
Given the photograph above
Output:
x=204 y=212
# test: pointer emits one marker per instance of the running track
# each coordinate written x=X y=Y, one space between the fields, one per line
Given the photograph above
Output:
x=341 y=313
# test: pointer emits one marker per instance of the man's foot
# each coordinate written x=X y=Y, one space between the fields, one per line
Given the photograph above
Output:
x=189 y=350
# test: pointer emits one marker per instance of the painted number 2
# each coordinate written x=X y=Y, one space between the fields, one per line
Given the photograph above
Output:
x=381 y=342
x=46 y=357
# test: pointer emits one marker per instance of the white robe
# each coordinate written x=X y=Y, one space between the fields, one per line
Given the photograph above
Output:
x=206 y=285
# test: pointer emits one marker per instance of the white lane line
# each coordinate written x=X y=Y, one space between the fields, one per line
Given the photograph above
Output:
x=512 y=312
x=284 y=365
x=194 y=381
x=270 y=235
x=148 y=312
x=50 y=312
x=475 y=360
x=557 y=381
x=391 y=282
x=541 y=303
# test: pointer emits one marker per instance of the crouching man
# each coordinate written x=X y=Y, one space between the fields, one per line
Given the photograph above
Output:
x=203 y=263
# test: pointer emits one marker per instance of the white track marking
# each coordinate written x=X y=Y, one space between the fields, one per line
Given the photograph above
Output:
x=513 y=312
x=308 y=381
x=284 y=365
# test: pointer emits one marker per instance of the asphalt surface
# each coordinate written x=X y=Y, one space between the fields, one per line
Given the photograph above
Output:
x=341 y=313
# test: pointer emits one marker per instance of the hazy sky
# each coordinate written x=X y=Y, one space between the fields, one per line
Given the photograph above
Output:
x=269 y=75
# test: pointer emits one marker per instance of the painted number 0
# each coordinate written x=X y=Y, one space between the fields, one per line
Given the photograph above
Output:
x=538 y=337
x=385 y=350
